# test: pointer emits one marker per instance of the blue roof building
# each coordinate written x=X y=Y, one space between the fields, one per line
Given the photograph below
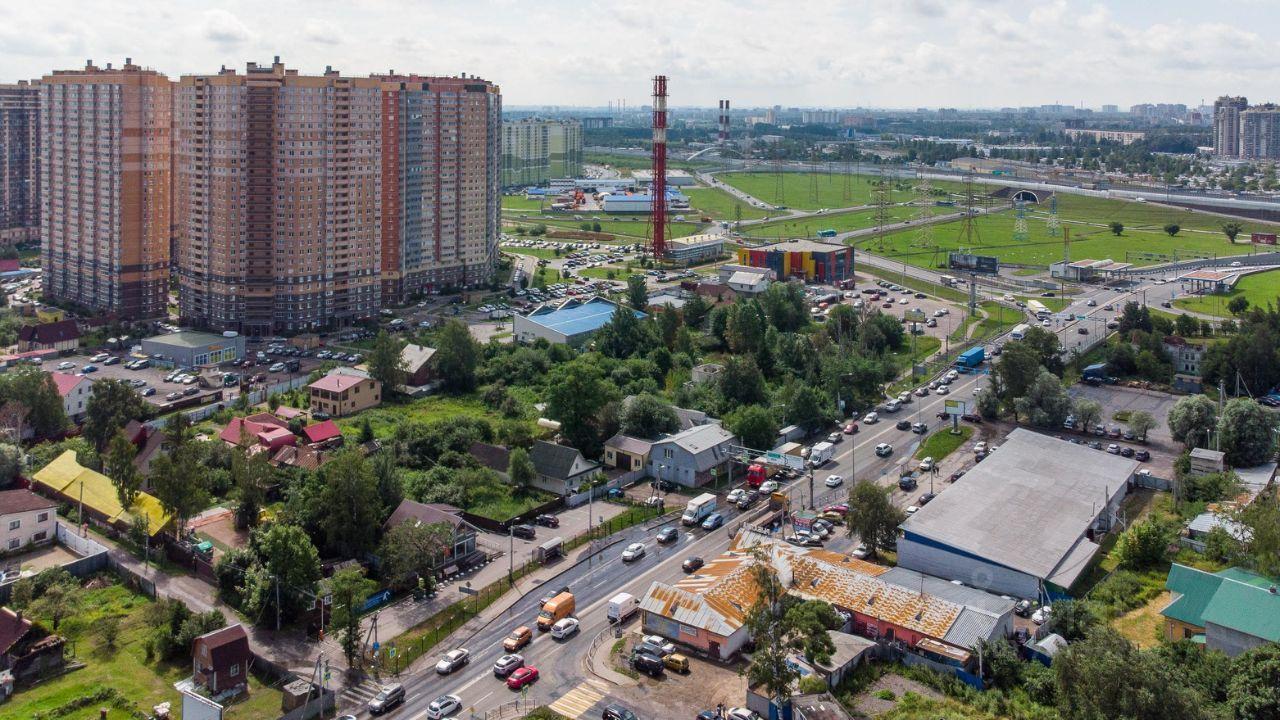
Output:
x=572 y=322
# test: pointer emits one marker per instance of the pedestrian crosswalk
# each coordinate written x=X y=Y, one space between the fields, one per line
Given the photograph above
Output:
x=358 y=695
x=578 y=700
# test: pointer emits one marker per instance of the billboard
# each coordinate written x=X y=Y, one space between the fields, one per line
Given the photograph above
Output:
x=955 y=407
x=1263 y=238
x=987 y=264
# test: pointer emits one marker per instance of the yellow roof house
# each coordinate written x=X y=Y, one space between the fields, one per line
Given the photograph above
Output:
x=66 y=478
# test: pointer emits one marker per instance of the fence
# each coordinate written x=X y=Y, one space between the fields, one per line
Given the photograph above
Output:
x=326 y=702
x=502 y=526
x=912 y=660
x=1151 y=482
x=131 y=578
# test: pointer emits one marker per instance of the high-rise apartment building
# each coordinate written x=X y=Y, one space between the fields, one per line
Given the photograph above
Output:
x=1260 y=133
x=105 y=188
x=535 y=150
x=278 y=184
x=19 y=163
x=1226 y=125
x=441 y=155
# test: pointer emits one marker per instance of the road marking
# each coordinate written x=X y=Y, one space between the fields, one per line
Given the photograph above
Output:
x=578 y=700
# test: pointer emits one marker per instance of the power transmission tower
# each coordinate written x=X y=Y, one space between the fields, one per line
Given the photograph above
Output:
x=847 y=184
x=779 y=194
x=880 y=197
x=813 y=177
x=924 y=213
x=1053 y=225
x=1020 y=234
x=969 y=236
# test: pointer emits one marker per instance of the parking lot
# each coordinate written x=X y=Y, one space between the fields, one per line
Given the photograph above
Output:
x=573 y=522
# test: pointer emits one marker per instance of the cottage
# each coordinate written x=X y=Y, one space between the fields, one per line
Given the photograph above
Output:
x=25 y=651
x=74 y=391
x=417 y=364
x=323 y=433
x=560 y=468
x=1231 y=611
x=62 y=336
x=148 y=441
x=344 y=392
x=692 y=457
x=67 y=480
x=258 y=432
x=25 y=519
x=462 y=551
x=220 y=661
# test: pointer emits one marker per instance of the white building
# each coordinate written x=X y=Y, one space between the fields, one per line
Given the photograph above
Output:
x=75 y=391
x=25 y=519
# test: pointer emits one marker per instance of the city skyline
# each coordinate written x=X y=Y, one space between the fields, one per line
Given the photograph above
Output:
x=966 y=54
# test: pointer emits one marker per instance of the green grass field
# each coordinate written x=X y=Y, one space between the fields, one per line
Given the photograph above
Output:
x=520 y=202
x=1260 y=289
x=385 y=418
x=636 y=228
x=720 y=204
x=798 y=189
x=942 y=443
x=1148 y=216
x=840 y=222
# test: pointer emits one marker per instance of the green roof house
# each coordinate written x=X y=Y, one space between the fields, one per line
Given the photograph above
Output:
x=1231 y=611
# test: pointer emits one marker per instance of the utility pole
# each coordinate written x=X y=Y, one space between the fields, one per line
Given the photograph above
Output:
x=511 y=554
x=273 y=577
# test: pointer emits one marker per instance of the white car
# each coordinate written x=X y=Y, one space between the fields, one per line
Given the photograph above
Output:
x=952 y=375
x=1114 y=449
x=564 y=628
x=922 y=391
x=99 y=357
x=634 y=551
x=861 y=551
x=735 y=495
x=666 y=646
x=769 y=486
x=66 y=365
x=926 y=464
x=912 y=509
x=453 y=660
x=870 y=418
x=943 y=389
x=1041 y=616
x=833 y=481
x=980 y=448
x=443 y=707
x=739 y=713
x=884 y=450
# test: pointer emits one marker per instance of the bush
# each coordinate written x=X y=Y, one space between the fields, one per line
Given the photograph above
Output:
x=886 y=695
x=812 y=684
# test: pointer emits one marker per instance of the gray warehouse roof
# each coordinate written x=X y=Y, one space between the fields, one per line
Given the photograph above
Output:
x=1027 y=506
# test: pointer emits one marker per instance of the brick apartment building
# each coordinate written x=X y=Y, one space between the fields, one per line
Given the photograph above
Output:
x=19 y=163
x=105 y=176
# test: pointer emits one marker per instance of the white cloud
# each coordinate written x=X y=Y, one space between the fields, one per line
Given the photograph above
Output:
x=321 y=31
x=224 y=28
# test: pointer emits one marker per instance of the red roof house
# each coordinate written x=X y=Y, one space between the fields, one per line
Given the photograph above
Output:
x=322 y=432
x=263 y=431
x=61 y=335
x=220 y=660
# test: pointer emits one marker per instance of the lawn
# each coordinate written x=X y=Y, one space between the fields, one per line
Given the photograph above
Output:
x=999 y=319
x=636 y=226
x=720 y=205
x=386 y=418
x=942 y=443
x=141 y=682
x=521 y=202
x=926 y=345
x=1260 y=289
x=1144 y=625
x=798 y=189
x=1146 y=215
x=840 y=222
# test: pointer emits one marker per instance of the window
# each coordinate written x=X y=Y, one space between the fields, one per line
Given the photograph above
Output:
x=13 y=544
x=668 y=453
x=40 y=536
x=15 y=524
x=42 y=517
x=235 y=670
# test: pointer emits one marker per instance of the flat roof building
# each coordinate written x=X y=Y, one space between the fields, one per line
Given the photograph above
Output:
x=191 y=349
x=808 y=260
x=19 y=162
x=675 y=178
x=693 y=249
x=572 y=322
x=1024 y=522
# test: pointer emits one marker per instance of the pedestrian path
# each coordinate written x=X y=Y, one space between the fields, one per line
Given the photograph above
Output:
x=577 y=701
x=358 y=695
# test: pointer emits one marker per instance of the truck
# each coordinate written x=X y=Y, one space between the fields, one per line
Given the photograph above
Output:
x=757 y=473
x=556 y=609
x=621 y=607
x=971 y=358
x=1019 y=332
x=698 y=509
x=1096 y=373
x=821 y=453
x=549 y=550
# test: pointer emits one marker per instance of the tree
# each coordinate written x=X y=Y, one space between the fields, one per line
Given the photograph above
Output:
x=1116 y=227
x=576 y=393
x=119 y=467
x=1186 y=326
x=32 y=393
x=1105 y=677
x=807 y=623
x=1143 y=545
x=250 y=478
x=1000 y=662
x=1238 y=305
x=349 y=589
x=1191 y=418
x=754 y=425
x=12 y=461
x=648 y=416
x=109 y=630
x=386 y=362
x=1088 y=413
x=520 y=469
x=1244 y=430
x=58 y=601
x=352 y=509
x=1141 y=422
x=1171 y=229
x=289 y=559
x=390 y=482
x=872 y=517
x=808 y=407
x=669 y=325
x=1231 y=230
x=695 y=311
x=746 y=327
x=178 y=482
x=1072 y=619
x=1047 y=348
x=456 y=357
x=1253 y=692
x=988 y=404
x=625 y=335
x=112 y=404
x=410 y=551
x=742 y=383
x=1046 y=403
x=770 y=666
x=1262 y=544
x=637 y=292
x=1019 y=365
x=1134 y=317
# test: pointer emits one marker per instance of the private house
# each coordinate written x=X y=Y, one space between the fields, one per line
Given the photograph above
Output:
x=560 y=469
x=148 y=441
x=692 y=457
x=25 y=519
x=462 y=552
x=494 y=457
x=62 y=336
x=417 y=364
x=1231 y=611
x=626 y=453
x=344 y=392
x=260 y=432
x=220 y=661
x=324 y=434
x=68 y=481
x=75 y=391
x=1186 y=358
x=25 y=651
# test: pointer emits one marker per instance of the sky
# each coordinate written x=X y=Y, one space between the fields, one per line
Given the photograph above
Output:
x=806 y=53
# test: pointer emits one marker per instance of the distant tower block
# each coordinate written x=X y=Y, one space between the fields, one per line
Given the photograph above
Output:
x=723 y=135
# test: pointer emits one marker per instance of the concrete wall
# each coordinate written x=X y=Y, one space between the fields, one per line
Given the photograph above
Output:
x=1231 y=642
x=937 y=561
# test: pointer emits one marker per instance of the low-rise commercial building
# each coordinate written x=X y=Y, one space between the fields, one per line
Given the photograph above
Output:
x=693 y=249
x=572 y=322
x=344 y=393
x=692 y=457
x=806 y=259
x=191 y=349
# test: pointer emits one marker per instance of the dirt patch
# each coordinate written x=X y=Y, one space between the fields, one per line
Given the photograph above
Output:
x=221 y=531
x=883 y=694
x=707 y=684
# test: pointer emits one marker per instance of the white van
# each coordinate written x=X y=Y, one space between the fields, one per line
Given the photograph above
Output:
x=621 y=607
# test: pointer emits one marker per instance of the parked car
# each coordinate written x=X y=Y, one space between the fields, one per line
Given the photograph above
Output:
x=550 y=521
x=926 y=464
x=1041 y=616
x=525 y=532
x=648 y=664
x=919 y=428
x=1142 y=456
x=850 y=428
x=870 y=418
x=692 y=564
x=507 y=664
x=617 y=712
x=668 y=535
x=1126 y=452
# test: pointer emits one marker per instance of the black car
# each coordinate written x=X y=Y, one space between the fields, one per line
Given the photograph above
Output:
x=1126 y=452
x=1142 y=456
x=957 y=475
x=750 y=499
x=550 y=521
x=920 y=296
x=648 y=664
x=972 y=417
x=925 y=498
x=524 y=531
x=664 y=485
x=617 y=712
x=904 y=425
x=907 y=483
x=668 y=535
x=691 y=564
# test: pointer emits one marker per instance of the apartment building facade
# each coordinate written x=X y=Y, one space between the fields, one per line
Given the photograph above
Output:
x=1226 y=125
x=535 y=150
x=1260 y=133
x=441 y=216
x=105 y=148
x=278 y=184
x=19 y=162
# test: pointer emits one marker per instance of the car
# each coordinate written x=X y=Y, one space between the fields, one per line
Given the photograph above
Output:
x=974 y=418
x=1113 y=432
x=1109 y=307
x=922 y=391
x=1166 y=304
x=833 y=481
x=664 y=485
x=443 y=707
x=525 y=532
x=903 y=425
x=870 y=418
x=1041 y=616
x=523 y=676
x=921 y=296
x=748 y=500
x=1092 y=303
x=838 y=508
x=453 y=660
x=804 y=540
x=912 y=509
x=740 y=713
x=191 y=391
x=1126 y=452
x=550 y=521
x=1095 y=444
x=647 y=663
x=1142 y=456
x=956 y=475
x=850 y=428
x=919 y=428
x=769 y=486
x=507 y=664
x=1023 y=608
x=1082 y=330
x=692 y=564
x=943 y=389
x=617 y=712
x=661 y=645
x=148 y=392
x=518 y=638
x=634 y=551
x=669 y=534
x=980 y=446
x=90 y=369
x=388 y=697
x=907 y=483
x=884 y=450
x=926 y=464
x=66 y=365
x=713 y=521
x=834 y=438
x=861 y=552
x=925 y=498
x=276 y=367
x=173 y=396
x=564 y=628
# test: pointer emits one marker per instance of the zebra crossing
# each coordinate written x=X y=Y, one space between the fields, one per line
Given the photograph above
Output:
x=358 y=695
x=578 y=700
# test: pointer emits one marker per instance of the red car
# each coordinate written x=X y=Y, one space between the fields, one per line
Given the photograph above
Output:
x=851 y=428
x=841 y=508
x=521 y=677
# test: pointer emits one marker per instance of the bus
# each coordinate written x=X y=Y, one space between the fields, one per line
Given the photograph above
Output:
x=828 y=233
x=1038 y=309
x=1019 y=332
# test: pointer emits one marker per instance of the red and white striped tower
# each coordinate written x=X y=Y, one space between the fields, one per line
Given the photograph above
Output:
x=723 y=137
x=658 y=244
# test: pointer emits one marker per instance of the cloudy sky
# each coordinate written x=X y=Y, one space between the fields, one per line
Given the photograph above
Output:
x=840 y=53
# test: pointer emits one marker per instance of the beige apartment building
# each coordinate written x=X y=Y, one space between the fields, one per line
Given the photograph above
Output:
x=105 y=188
x=536 y=150
x=277 y=188
x=19 y=162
